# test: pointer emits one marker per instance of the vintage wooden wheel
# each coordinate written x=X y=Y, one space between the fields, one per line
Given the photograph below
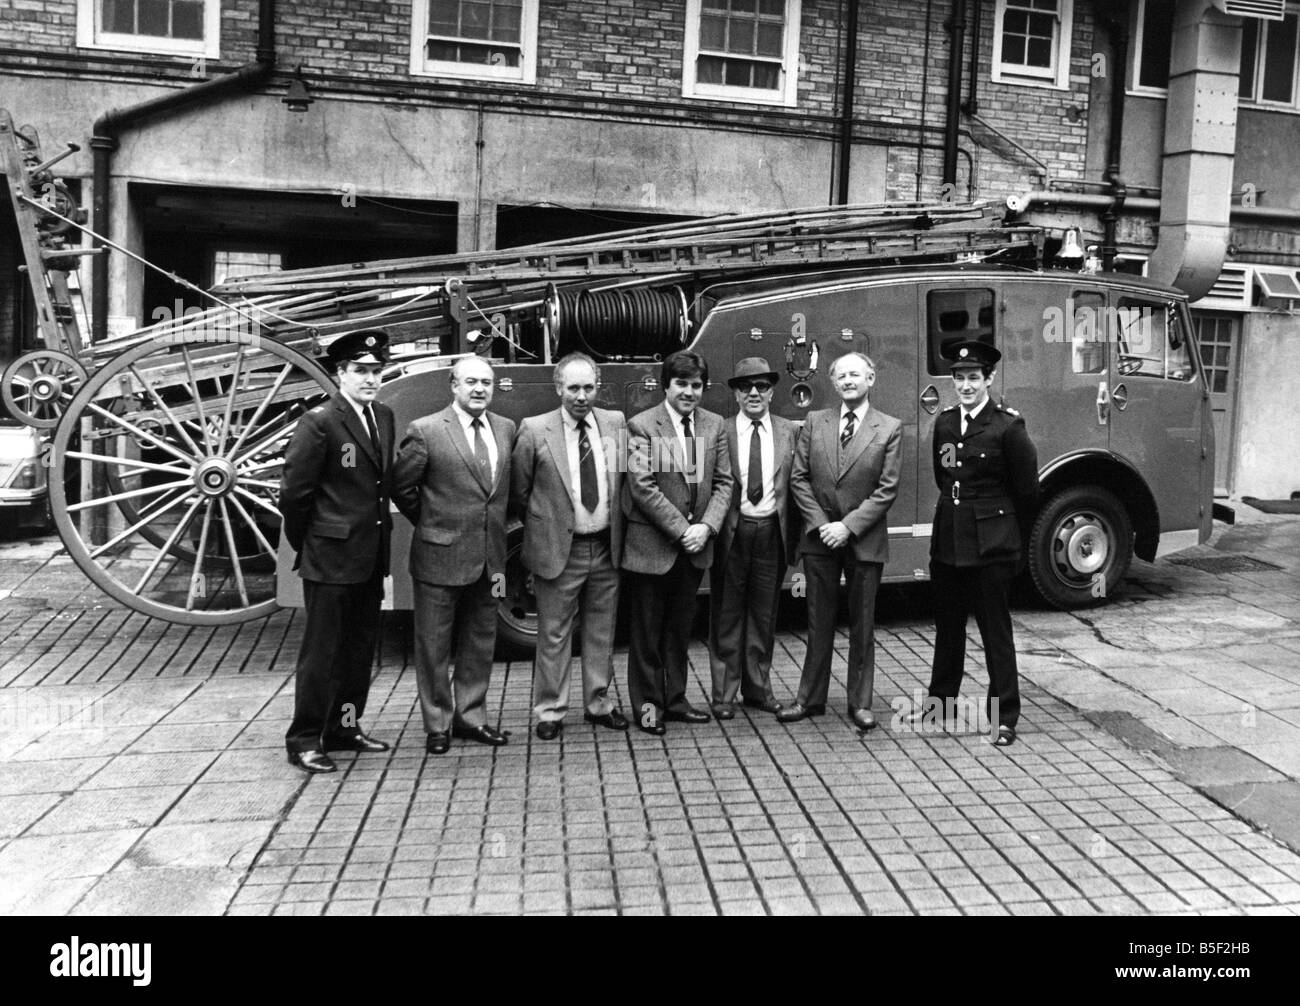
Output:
x=181 y=443
x=37 y=387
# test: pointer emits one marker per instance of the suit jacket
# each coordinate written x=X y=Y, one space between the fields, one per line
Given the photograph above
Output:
x=334 y=493
x=997 y=468
x=460 y=519
x=657 y=495
x=858 y=491
x=784 y=435
x=541 y=489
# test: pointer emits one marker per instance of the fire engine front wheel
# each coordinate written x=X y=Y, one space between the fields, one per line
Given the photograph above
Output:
x=1080 y=547
x=516 y=605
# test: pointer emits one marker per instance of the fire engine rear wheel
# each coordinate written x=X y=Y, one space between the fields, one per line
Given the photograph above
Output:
x=517 y=607
x=1080 y=547
x=183 y=443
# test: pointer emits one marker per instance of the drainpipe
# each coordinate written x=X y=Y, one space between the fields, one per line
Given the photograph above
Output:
x=972 y=104
x=952 y=118
x=1200 y=140
x=1118 y=27
x=104 y=133
x=846 y=118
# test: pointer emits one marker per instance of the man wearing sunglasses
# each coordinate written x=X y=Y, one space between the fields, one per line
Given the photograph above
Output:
x=751 y=552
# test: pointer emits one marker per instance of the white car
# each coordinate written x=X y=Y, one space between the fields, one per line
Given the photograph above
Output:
x=24 y=489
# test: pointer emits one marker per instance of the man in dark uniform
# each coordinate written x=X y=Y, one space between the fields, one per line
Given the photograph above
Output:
x=987 y=471
x=334 y=500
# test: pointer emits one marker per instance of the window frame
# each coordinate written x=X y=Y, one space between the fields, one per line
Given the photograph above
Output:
x=524 y=73
x=1056 y=77
x=1136 y=33
x=787 y=95
x=90 y=36
x=1261 y=42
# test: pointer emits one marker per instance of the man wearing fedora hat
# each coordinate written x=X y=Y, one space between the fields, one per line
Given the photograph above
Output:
x=986 y=469
x=334 y=500
x=753 y=545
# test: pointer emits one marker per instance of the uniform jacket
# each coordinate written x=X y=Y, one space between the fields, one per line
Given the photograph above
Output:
x=541 y=488
x=334 y=493
x=784 y=435
x=459 y=518
x=657 y=496
x=988 y=486
x=859 y=490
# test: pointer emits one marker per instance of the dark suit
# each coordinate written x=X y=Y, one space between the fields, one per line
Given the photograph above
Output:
x=458 y=555
x=334 y=495
x=988 y=490
x=749 y=563
x=660 y=504
x=856 y=485
x=575 y=577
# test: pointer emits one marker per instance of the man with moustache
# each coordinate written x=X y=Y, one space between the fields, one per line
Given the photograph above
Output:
x=565 y=484
x=675 y=499
x=845 y=478
x=452 y=481
x=749 y=557
x=334 y=500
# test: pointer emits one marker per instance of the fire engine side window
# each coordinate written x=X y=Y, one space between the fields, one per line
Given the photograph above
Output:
x=1150 y=341
x=1088 y=336
x=954 y=316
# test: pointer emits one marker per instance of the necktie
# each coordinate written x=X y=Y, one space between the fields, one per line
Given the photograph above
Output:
x=373 y=430
x=754 y=479
x=849 y=422
x=590 y=490
x=481 y=451
x=965 y=418
x=692 y=476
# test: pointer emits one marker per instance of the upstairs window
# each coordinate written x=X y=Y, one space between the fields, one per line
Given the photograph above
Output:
x=742 y=50
x=477 y=39
x=1153 y=30
x=176 y=27
x=1268 y=62
x=1031 y=42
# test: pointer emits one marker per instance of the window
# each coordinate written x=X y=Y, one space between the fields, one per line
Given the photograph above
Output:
x=1268 y=62
x=179 y=27
x=1088 y=336
x=956 y=316
x=231 y=263
x=742 y=50
x=477 y=39
x=1151 y=39
x=1031 y=42
x=1150 y=341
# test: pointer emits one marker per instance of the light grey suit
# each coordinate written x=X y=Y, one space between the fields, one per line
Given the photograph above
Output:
x=574 y=577
x=857 y=486
x=458 y=554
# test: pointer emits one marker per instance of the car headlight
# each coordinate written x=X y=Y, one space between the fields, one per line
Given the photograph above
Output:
x=27 y=477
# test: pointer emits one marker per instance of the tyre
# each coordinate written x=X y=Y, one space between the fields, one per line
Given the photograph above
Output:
x=1080 y=547
x=517 y=607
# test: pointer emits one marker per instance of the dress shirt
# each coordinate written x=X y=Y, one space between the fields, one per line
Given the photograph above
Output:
x=963 y=417
x=489 y=437
x=583 y=521
x=744 y=430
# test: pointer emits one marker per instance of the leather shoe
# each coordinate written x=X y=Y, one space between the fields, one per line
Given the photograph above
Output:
x=613 y=719
x=355 y=742
x=548 y=730
x=764 y=705
x=798 y=711
x=1006 y=736
x=656 y=728
x=312 y=762
x=688 y=715
x=723 y=711
x=863 y=719
x=481 y=735
x=437 y=743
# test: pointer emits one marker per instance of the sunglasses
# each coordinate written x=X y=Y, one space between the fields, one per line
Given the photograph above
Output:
x=762 y=387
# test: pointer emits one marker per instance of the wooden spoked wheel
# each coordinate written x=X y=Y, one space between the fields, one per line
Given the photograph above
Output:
x=38 y=387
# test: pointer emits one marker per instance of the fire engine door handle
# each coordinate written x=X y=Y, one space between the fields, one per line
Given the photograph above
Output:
x=1120 y=396
x=930 y=399
x=1103 y=404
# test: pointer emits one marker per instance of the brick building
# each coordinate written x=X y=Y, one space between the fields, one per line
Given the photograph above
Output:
x=302 y=134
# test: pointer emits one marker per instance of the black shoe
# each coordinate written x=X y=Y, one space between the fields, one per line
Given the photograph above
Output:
x=437 y=743
x=798 y=711
x=481 y=735
x=1006 y=736
x=764 y=705
x=613 y=719
x=723 y=711
x=548 y=730
x=656 y=728
x=356 y=742
x=312 y=762
x=687 y=715
x=863 y=719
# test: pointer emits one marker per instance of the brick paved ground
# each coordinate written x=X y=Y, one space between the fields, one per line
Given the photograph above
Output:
x=142 y=770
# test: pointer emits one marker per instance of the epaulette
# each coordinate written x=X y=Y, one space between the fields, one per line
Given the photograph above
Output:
x=1008 y=410
x=318 y=410
x=950 y=408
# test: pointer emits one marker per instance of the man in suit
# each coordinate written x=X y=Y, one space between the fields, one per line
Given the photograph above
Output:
x=565 y=483
x=986 y=469
x=675 y=499
x=452 y=481
x=334 y=500
x=845 y=478
x=749 y=557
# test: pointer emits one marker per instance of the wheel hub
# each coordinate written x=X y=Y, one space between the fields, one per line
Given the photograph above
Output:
x=215 y=477
x=46 y=388
x=1086 y=547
